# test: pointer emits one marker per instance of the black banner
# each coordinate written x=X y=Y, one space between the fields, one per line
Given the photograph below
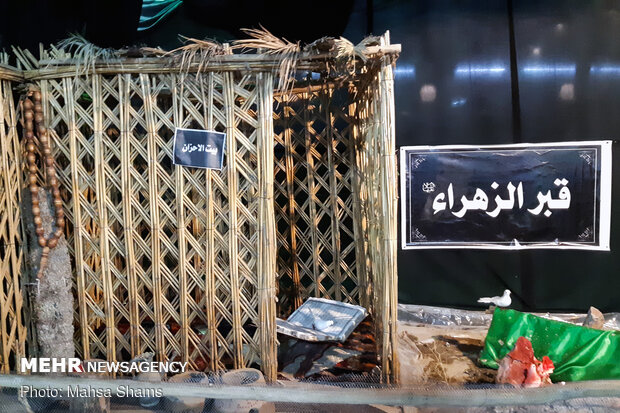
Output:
x=512 y=196
x=199 y=148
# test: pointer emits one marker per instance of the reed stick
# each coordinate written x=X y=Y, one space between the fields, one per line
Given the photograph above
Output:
x=149 y=100
x=311 y=194
x=177 y=112
x=359 y=213
x=78 y=228
x=102 y=202
x=124 y=92
x=292 y=218
x=210 y=236
x=266 y=228
x=333 y=194
x=13 y=332
x=233 y=227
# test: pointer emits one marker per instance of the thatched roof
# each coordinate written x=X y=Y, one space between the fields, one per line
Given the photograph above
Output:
x=261 y=51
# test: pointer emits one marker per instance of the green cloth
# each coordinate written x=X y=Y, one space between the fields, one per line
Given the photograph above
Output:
x=153 y=11
x=578 y=353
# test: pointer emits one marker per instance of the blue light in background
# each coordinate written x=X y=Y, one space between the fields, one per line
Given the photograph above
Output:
x=605 y=70
x=479 y=70
x=404 y=71
x=458 y=102
x=541 y=69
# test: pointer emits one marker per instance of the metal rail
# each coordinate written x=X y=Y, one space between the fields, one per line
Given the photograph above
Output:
x=335 y=394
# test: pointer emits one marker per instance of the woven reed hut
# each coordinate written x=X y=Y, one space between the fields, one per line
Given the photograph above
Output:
x=196 y=264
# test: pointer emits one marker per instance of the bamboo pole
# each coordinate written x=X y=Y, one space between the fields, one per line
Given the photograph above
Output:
x=102 y=201
x=6 y=301
x=290 y=189
x=266 y=228
x=210 y=235
x=311 y=195
x=11 y=74
x=129 y=232
x=17 y=228
x=363 y=217
x=390 y=202
x=177 y=113
x=372 y=167
x=78 y=227
x=233 y=228
x=333 y=195
x=359 y=221
x=149 y=102
x=373 y=235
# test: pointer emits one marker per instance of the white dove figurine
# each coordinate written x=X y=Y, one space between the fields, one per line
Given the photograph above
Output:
x=503 y=301
x=318 y=324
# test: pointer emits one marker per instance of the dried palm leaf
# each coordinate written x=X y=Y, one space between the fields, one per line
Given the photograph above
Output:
x=344 y=55
x=196 y=51
x=361 y=49
x=285 y=52
x=85 y=53
x=344 y=48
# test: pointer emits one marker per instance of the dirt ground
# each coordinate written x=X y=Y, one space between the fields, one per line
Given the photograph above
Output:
x=441 y=354
x=431 y=354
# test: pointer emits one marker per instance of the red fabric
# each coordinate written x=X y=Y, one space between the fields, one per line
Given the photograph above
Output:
x=521 y=368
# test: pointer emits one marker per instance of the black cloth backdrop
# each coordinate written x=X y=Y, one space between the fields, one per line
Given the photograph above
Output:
x=471 y=72
x=454 y=85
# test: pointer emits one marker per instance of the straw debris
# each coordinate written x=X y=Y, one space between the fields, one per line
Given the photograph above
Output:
x=196 y=51
x=85 y=53
x=286 y=52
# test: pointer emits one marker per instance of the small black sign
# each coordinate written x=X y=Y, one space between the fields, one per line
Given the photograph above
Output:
x=510 y=196
x=199 y=148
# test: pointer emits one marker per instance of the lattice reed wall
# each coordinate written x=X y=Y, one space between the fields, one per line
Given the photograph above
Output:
x=12 y=323
x=336 y=200
x=167 y=259
x=318 y=217
x=187 y=262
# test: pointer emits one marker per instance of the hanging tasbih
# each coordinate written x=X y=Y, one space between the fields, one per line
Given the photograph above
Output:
x=34 y=111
